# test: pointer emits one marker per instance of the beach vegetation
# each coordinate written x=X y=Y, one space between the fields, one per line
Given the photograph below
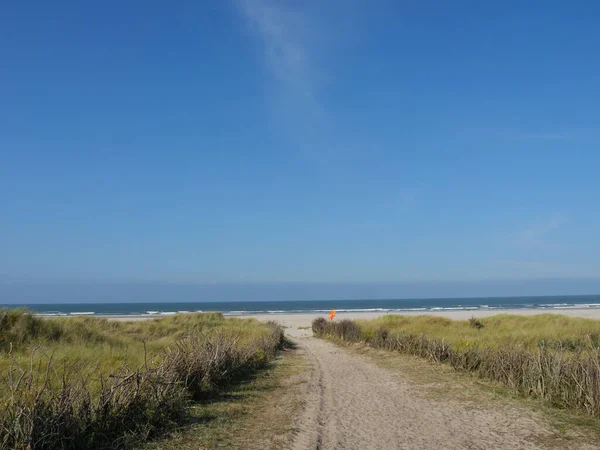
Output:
x=84 y=382
x=551 y=357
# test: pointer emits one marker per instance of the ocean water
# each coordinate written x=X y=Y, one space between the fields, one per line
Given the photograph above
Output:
x=324 y=306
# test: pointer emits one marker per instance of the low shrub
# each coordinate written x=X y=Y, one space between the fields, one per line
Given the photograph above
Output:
x=346 y=330
x=475 y=323
x=319 y=325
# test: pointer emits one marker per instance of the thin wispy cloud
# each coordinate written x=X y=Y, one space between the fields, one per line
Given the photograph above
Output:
x=298 y=42
x=537 y=235
x=287 y=36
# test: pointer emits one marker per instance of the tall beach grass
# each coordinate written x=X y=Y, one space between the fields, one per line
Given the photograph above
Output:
x=74 y=383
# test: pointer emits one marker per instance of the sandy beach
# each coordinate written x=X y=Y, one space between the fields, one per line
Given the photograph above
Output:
x=298 y=325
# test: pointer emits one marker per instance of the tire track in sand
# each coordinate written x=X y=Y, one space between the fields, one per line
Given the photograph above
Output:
x=310 y=424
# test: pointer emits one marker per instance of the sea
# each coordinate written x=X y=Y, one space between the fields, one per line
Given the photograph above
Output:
x=242 y=308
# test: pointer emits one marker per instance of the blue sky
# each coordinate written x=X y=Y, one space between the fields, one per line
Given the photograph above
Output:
x=259 y=141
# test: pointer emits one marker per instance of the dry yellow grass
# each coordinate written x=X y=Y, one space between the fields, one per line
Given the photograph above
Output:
x=86 y=382
x=259 y=414
x=97 y=345
x=497 y=331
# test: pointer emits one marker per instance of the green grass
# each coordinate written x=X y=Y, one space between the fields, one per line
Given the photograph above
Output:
x=97 y=345
x=497 y=331
x=84 y=382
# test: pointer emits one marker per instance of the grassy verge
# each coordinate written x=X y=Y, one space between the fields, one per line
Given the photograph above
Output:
x=545 y=357
x=552 y=330
x=91 y=383
x=257 y=414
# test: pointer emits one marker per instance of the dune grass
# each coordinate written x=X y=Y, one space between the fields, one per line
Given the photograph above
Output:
x=86 y=382
x=100 y=345
x=551 y=357
x=495 y=331
x=256 y=414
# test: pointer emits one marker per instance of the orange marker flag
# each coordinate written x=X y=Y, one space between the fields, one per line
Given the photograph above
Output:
x=332 y=314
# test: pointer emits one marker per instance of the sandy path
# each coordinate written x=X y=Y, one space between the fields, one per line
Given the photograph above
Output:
x=353 y=404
